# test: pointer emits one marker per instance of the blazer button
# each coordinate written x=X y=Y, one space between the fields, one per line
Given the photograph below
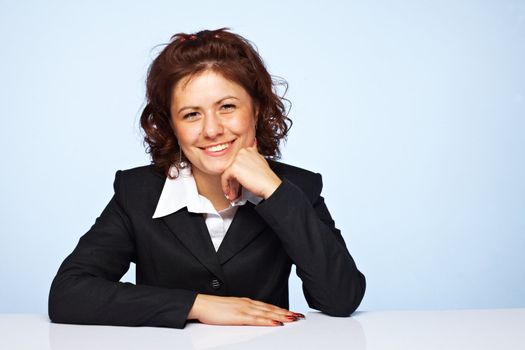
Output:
x=215 y=283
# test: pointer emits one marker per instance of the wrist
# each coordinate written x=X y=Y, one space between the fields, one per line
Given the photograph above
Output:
x=194 y=313
x=276 y=182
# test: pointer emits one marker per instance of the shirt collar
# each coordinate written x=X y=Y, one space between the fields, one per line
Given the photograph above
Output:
x=182 y=192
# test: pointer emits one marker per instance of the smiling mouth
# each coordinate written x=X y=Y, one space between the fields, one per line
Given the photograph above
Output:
x=217 y=148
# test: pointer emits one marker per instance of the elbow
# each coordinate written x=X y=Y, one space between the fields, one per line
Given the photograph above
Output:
x=339 y=309
x=60 y=302
x=55 y=308
x=54 y=312
x=354 y=296
x=344 y=302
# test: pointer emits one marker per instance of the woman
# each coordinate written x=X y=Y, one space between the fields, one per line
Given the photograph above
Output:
x=213 y=124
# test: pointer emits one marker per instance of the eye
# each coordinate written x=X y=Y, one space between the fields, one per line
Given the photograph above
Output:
x=191 y=115
x=228 y=107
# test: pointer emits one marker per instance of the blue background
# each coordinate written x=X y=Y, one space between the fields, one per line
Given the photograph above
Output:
x=413 y=111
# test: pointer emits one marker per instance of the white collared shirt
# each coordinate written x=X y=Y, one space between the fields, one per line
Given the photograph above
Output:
x=182 y=192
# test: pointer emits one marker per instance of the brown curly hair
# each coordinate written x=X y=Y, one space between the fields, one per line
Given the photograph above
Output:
x=226 y=53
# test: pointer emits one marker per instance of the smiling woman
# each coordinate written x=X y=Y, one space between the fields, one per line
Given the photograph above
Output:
x=215 y=223
x=213 y=118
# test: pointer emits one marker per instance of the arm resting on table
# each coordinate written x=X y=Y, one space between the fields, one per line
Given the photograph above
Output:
x=331 y=281
x=86 y=289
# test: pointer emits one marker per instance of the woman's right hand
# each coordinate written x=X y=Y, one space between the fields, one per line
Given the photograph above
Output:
x=217 y=310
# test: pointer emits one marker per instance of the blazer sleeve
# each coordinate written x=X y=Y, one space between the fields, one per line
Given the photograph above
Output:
x=86 y=289
x=331 y=281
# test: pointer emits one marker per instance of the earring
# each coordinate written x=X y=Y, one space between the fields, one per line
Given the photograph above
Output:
x=181 y=164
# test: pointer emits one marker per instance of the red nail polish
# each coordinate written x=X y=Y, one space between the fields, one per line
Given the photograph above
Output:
x=291 y=318
x=277 y=323
x=296 y=314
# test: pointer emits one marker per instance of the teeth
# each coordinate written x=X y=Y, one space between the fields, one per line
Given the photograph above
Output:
x=218 y=148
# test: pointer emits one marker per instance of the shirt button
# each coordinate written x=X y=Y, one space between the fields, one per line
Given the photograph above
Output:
x=215 y=283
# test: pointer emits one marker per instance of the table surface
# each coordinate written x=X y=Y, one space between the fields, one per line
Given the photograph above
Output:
x=453 y=329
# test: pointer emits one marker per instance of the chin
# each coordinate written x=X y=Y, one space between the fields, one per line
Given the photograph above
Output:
x=212 y=170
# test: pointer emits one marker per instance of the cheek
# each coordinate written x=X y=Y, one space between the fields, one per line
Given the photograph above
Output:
x=244 y=125
x=186 y=135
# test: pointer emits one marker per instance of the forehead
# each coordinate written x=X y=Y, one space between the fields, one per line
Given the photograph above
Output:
x=206 y=86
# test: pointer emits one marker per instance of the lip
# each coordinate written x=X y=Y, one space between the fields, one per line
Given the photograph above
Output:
x=216 y=144
x=219 y=153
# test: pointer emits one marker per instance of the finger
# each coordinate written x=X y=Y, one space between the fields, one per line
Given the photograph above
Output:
x=225 y=183
x=230 y=185
x=272 y=309
x=289 y=315
x=281 y=317
x=239 y=190
x=273 y=315
x=263 y=321
x=251 y=303
x=234 y=190
x=270 y=306
x=280 y=314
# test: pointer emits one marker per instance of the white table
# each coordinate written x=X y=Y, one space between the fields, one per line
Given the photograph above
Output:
x=404 y=330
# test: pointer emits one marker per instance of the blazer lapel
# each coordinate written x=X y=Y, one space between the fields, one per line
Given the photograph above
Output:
x=246 y=225
x=191 y=230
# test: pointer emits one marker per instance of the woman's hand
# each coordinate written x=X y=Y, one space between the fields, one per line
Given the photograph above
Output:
x=250 y=170
x=217 y=310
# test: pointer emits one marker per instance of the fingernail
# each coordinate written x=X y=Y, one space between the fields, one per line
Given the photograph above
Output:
x=296 y=314
x=291 y=318
x=278 y=323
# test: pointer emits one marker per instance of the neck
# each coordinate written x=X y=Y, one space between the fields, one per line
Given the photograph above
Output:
x=210 y=187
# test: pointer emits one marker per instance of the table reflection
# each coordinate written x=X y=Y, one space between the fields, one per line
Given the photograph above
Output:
x=316 y=331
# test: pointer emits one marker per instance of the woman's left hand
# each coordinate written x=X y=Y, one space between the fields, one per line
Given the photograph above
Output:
x=250 y=170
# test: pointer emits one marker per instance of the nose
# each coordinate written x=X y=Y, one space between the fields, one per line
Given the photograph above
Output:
x=212 y=125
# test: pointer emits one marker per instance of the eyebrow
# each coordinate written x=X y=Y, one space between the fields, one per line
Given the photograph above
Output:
x=196 y=107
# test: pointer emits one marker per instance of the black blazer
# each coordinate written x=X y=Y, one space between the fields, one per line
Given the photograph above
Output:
x=175 y=259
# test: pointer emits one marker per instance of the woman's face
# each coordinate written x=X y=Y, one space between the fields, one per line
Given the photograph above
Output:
x=213 y=118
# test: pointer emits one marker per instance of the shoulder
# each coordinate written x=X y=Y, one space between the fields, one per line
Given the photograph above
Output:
x=287 y=170
x=308 y=181
x=141 y=180
x=140 y=174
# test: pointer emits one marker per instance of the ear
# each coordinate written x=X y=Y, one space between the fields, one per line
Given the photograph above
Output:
x=170 y=120
x=255 y=112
